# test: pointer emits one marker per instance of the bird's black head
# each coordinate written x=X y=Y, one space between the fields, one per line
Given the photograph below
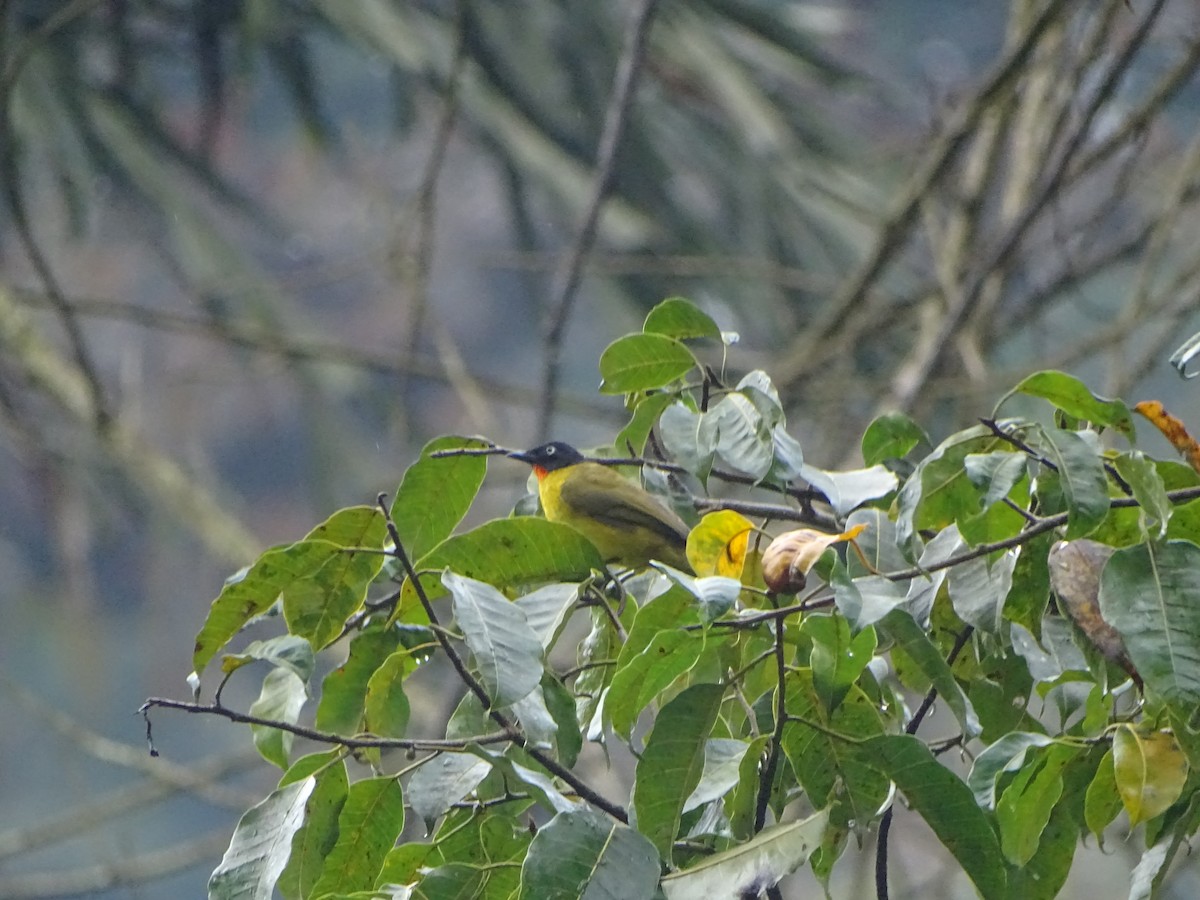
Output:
x=548 y=457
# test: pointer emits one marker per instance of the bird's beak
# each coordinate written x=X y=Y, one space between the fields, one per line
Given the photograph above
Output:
x=521 y=455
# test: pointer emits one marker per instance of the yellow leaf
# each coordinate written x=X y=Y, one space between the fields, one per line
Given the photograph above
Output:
x=1173 y=430
x=1150 y=769
x=717 y=546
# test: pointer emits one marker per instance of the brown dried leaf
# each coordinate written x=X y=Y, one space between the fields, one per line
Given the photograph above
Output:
x=1075 y=568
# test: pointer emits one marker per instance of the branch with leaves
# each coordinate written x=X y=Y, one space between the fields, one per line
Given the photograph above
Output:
x=774 y=678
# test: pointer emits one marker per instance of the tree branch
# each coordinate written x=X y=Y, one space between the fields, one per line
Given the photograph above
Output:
x=767 y=776
x=314 y=734
x=566 y=277
x=803 y=356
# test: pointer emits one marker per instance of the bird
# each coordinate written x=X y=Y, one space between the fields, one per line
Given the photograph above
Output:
x=624 y=522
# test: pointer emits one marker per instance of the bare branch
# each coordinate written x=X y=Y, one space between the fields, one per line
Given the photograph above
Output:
x=566 y=278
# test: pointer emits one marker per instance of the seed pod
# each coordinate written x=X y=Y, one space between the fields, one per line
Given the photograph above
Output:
x=788 y=558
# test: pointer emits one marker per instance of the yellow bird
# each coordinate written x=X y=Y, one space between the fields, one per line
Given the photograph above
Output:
x=627 y=525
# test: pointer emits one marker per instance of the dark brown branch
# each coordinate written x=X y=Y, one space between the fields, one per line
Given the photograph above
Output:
x=323 y=737
x=767 y=776
x=885 y=823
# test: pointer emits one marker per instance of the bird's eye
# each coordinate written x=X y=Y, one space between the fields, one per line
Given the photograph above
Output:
x=550 y=451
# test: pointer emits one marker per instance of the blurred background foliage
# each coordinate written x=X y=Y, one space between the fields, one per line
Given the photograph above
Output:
x=254 y=252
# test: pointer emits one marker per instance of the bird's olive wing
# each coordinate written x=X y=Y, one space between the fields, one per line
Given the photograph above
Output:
x=611 y=500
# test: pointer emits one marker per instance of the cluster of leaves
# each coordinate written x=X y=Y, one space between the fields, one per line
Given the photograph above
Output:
x=1045 y=588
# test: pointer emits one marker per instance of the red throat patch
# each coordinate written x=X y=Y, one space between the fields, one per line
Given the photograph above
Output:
x=540 y=472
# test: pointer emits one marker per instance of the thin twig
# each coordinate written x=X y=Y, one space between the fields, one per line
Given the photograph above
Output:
x=885 y=823
x=352 y=742
x=767 y=776
x=567 y=276
x=421 y=257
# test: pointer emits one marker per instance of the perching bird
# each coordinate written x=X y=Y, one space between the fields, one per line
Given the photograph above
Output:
x=627 y=525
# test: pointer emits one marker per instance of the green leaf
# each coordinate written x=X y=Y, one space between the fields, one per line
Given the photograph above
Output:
x=547 y=610
x=508 y=655
x=385 y=706
x=452 y=881
x=538 y=726
x=866 y=599
x=939 y=491
x=1081 y=476
x=568 y=740
x=281 y=699
x=1150 y=771
x=837 y=658
x=287 y=651
x=741 y=802
x=1030 y=593
x=900 y=627
x=722 y=766
x=689 y=438
x=643 y=674
x=745 y=870
x=827 y=766
x=436 y=493
x=316 y=837
x=673 y=761
x=672 y=608
x=995 y=473
x=846 y=491
x=789 y=457
x=368 y=825
x=1150 y=593
x=1072 y=396
x=403 y=864
x=877 y=543
x=1141 y=474
x=891 y=436
x=261 y=843
x=317 y=577
x=1025 y=806
x=979 y=587
x=505 y=553
x=743 y=436
x=581 y=855
x=520 y=778
x=1005 y=755
x=1102 y=801
x=1042 y=877
x=641 y=362
x=679 y=318
x=442 y=782
x=632 y=438
x=947 y=806
x=596 y=652
x=344 y=691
